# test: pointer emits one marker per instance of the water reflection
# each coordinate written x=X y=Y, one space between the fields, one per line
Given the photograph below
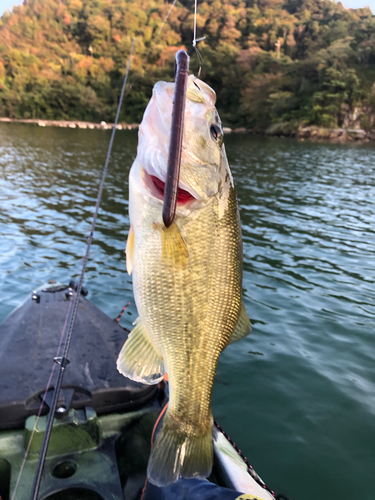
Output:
x=298 y=393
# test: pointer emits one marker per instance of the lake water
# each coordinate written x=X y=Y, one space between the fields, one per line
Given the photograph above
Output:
x=298 y=395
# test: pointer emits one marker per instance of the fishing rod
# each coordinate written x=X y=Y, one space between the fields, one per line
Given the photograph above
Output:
x=63 y=361
x=169 y=210
x=62 y=336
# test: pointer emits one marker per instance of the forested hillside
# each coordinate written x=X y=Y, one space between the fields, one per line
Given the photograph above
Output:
x=270 y=61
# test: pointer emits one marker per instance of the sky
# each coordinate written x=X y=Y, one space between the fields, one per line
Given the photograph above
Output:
x=350 y=4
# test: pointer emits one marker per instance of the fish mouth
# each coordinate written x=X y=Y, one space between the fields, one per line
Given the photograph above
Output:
x=183 y=196
x=157 y=188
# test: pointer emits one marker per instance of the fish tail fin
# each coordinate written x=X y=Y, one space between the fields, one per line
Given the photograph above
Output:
x=179 y=453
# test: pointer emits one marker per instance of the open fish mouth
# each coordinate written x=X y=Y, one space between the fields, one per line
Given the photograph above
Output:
x=182 y=195
x=157 y=188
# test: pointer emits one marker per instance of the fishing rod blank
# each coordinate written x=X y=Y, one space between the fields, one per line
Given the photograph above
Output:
x=63 y=361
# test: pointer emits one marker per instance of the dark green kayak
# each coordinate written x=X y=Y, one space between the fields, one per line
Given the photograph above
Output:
x=101 y=437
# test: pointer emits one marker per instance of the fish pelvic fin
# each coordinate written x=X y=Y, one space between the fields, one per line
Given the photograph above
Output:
x=243 y=326
x=130 y=250
x=138 y=358
x=177 y=453
x=174 y=250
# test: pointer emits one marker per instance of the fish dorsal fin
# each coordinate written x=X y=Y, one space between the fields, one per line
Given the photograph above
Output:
x=130 y=250
x=243 y=326
x=138 y=358
x=174 y=251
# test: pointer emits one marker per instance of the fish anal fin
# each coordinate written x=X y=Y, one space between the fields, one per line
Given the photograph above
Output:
x=130 y=250
x=179 y=453
x=138 y=358
x=243 y=326
x=174 y=249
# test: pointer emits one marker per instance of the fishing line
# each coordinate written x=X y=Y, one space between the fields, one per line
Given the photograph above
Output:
x=72 y=312
x=165 y=20
x=196 y=40
x=85 y=259
x=159 y=30
x=195 y=24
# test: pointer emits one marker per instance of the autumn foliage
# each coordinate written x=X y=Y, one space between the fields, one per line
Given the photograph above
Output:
x=270 y=61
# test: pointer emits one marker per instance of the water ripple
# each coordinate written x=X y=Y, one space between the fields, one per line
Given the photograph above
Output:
x=298 y=394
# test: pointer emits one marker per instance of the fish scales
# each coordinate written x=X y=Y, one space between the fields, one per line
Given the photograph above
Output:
x=187 y=283
x=180 y=306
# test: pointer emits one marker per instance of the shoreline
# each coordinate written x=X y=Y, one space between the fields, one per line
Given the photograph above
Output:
x=70 y=124
x=312 y=133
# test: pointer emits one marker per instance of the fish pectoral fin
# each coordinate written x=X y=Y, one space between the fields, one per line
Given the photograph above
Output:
x=130 y=250
x=243 y=326
x=138 y=358
x=174 y=250
x=179 y=453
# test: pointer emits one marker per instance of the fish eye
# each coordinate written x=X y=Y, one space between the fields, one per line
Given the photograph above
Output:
x=216 y=132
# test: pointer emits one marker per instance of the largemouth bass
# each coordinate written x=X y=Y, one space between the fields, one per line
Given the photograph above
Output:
x=187 y=279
